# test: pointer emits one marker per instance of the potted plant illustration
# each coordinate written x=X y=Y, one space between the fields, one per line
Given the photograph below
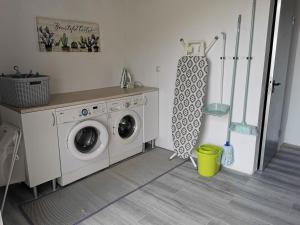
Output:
x=64 y=42
x=57 y=43
x=92 y=43
x=89 y=44
x=74 y=46
x=46 y=38
x=82 y=43
x=95 y=40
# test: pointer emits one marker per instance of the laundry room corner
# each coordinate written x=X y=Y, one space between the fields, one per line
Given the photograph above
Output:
x=147 y=112
x=153 y=49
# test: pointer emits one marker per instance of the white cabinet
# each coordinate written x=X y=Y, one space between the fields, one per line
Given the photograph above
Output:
x=40 y=144
x=41 y=147
x=150 y=116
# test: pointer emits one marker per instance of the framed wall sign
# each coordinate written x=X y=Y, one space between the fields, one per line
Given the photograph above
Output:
x=58 y=35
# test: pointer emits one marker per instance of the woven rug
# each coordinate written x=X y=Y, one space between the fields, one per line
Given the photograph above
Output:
x=84 y=198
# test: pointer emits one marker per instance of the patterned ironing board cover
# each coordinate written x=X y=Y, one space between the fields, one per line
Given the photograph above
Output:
x=190 y=89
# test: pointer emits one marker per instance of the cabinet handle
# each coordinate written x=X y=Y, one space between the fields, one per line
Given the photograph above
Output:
x=54 y=119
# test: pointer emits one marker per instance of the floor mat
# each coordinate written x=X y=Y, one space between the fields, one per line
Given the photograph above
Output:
x=84 y=198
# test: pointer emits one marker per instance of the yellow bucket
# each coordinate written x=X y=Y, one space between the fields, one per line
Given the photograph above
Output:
x=209 y=160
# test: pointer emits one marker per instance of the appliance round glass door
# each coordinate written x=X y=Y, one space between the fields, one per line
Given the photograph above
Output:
x=127 y=127
x=88 y=139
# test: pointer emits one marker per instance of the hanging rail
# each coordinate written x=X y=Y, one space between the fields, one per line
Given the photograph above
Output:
x=203 y=50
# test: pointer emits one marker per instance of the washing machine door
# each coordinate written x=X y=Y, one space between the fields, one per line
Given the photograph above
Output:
x=87 y=140
x=127 y=126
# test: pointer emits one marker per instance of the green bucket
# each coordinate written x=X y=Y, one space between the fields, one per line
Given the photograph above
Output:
x=209 y=160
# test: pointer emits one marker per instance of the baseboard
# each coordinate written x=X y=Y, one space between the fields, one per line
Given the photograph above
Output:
x=287 y=145
x=237 y=172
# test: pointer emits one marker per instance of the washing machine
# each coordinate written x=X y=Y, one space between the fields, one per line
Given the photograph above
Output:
x=125 y=127
x=83 y=141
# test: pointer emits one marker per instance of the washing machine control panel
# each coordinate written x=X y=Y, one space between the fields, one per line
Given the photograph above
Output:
x=78 y=113
x=137 y=100
x=125 y=103
x=84 y=112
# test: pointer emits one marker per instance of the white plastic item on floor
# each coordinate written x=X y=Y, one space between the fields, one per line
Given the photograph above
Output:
x=10 y=137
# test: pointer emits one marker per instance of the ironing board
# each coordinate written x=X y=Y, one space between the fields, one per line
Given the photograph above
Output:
x=190 y=90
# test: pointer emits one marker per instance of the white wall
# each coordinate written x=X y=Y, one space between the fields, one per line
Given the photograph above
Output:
x=153 y=40
x=68 y=71
x=292 y=120
x=7 y=55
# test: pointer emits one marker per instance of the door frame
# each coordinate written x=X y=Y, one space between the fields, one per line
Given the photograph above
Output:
x=275 y=6
x=268 y=79
x=269 y=83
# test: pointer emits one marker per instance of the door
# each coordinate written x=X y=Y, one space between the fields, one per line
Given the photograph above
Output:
x=284 y=19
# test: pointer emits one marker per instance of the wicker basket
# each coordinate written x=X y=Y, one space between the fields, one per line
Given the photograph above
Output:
x=24 y=91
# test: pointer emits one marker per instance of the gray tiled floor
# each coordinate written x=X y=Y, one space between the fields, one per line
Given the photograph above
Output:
x=182 y=197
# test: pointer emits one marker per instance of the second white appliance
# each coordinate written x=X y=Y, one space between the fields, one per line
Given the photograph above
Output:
x=125 y=127
x=83 y=141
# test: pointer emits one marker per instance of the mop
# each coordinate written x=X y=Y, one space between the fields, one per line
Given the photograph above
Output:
x=243 y=127
x=227 y=157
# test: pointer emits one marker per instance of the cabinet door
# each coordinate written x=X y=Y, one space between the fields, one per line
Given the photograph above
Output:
x=41 y=146
x=150 y=116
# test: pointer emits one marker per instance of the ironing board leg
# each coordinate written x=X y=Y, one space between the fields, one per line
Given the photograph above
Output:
x=193 y=162
x=35 y=192
x=14 y=158
x=173 y=156
x=54 y=185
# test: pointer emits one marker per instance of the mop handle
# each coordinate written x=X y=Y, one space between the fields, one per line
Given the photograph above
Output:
x=234 y=76
x=222 y=66
x=249 y=62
